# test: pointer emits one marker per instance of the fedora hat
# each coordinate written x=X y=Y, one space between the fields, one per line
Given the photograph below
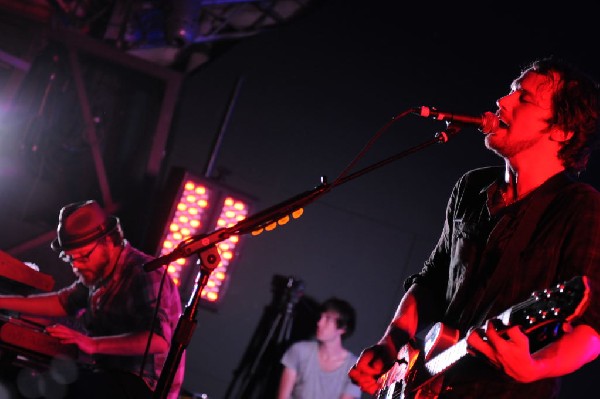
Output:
x=82 y=223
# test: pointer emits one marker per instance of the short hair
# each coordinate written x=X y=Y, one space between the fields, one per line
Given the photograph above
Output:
x=575 y=107
x=346 y=314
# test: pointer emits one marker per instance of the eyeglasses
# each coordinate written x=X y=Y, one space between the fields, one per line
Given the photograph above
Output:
x=83 y=258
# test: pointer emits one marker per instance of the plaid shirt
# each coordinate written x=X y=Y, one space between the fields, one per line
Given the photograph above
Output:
x=126 y=303
x=462 y=275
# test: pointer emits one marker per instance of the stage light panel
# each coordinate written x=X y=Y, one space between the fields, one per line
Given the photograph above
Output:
x=201 y=206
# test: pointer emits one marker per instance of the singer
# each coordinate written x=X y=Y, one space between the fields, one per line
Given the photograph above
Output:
x=510 y=230
x=111 y=310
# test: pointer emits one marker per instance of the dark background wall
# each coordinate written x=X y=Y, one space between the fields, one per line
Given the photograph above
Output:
x=312 y=93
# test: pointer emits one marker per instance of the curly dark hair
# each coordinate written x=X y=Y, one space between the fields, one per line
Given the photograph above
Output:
x=346 y=314
x=575 y=108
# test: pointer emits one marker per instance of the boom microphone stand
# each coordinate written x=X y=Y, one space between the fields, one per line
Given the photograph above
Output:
x=204 y=245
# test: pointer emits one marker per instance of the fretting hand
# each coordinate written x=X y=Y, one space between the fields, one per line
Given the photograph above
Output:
x=507 y=351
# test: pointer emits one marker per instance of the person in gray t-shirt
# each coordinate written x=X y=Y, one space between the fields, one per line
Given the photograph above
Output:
x=318 y=368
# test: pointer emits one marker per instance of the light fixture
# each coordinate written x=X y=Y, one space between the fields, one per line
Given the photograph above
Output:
x=199 y=206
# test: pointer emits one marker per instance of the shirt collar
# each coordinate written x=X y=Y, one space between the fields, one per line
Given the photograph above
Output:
x=495 y=201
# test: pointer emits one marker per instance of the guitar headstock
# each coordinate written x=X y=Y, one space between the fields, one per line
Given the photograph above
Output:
x=543 y=314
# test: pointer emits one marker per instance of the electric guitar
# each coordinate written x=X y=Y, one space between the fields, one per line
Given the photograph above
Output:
x=418 y=374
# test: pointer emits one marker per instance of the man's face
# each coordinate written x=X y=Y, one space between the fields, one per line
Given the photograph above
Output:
x=327 y=328
x=525 y=111
x=89 y=262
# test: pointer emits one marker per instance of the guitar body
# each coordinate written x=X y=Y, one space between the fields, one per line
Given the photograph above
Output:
x=406 y=380
x=419 y=374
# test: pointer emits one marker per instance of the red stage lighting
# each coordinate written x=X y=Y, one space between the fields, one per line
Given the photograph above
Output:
x=199 y=206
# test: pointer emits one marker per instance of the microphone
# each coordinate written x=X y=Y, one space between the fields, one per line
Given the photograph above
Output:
x=486 y=123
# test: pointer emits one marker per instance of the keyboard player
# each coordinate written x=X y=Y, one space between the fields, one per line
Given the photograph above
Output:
x=115 y=300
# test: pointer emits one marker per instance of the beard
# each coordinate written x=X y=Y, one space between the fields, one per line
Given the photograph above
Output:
x=90 y=276
x=507 y=148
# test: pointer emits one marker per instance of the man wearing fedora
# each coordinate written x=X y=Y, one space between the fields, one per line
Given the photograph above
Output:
x=127 y=315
